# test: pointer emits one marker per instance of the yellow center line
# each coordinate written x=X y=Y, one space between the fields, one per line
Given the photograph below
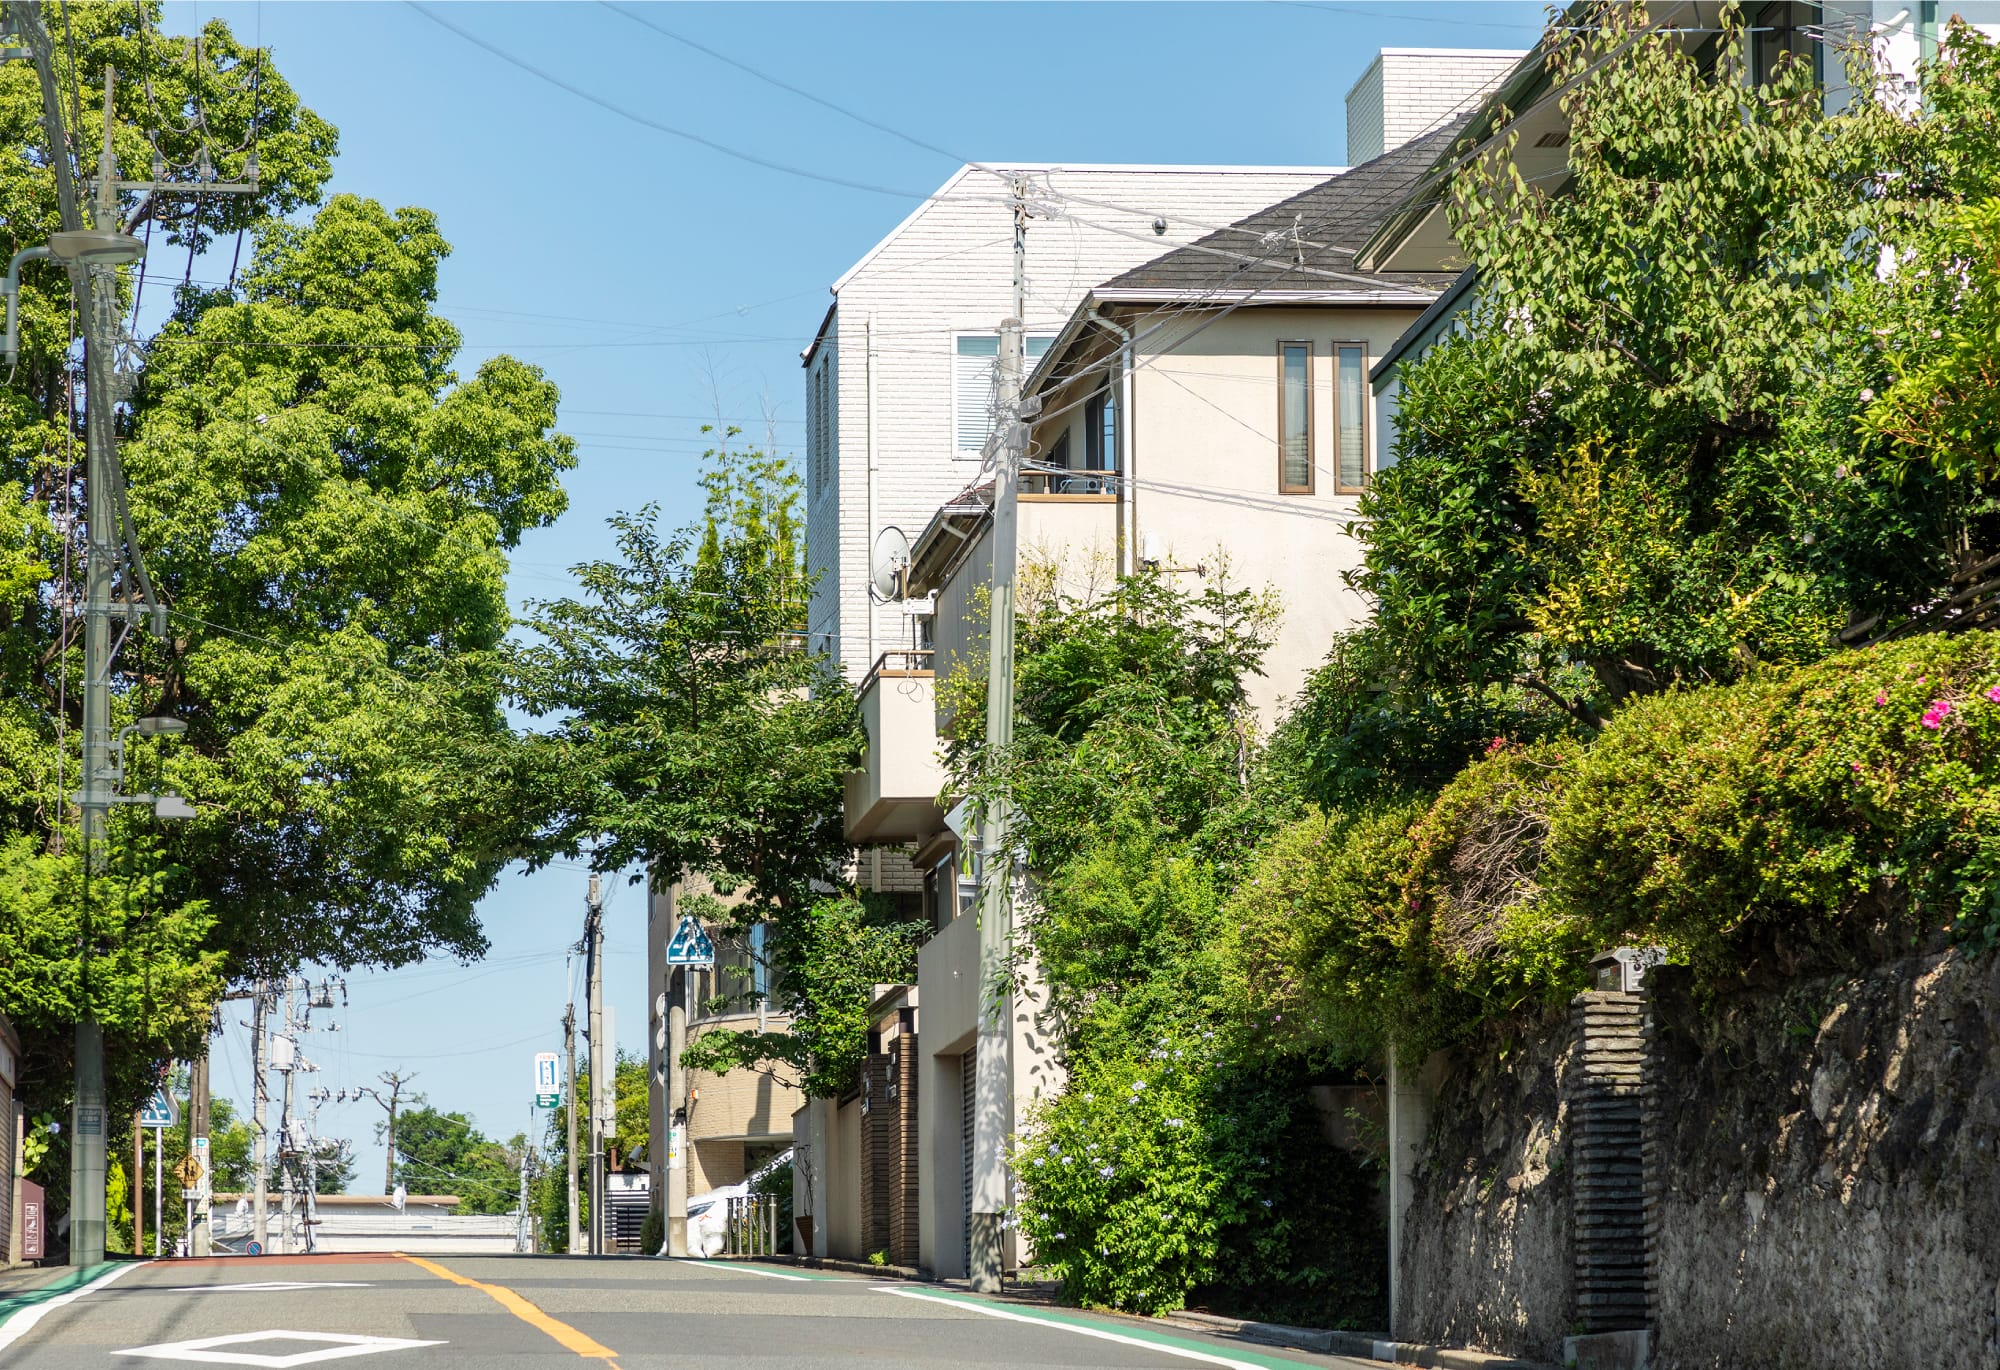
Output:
x=570 y=1338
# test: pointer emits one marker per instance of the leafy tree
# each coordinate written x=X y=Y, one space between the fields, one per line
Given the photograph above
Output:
x=1640 y=463
x=329 y=508
x=698 y=736
x=445 y=1153
x=326 y=507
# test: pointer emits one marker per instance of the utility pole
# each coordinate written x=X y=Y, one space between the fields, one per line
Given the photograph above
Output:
x=91 y=255
x=993 y=1098
x=287 y=1143
x=602 y=1058
x=260 y=1100
x=197 y=1149
x=569 y=1111
x=395 y=1079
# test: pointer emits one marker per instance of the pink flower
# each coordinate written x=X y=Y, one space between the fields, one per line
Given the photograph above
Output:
x=1881 y=699
x=1936 y=713
x=1994 y=694
x=1855 y=764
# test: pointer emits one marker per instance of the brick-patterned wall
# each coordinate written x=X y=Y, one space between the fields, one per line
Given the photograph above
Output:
x=889 y=1141
x=1606 y=1146
x=902 y=1172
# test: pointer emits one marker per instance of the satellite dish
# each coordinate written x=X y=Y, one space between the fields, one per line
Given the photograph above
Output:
x=889 y=566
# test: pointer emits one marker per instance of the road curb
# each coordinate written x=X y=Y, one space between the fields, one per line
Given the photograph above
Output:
x=1322 y=1341
x=1357 y=1345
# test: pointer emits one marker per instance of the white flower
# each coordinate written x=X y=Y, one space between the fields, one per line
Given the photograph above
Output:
x=1867 y=394
x=1107 y=1172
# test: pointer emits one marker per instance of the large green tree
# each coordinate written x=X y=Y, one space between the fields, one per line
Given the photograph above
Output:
x=326 y=505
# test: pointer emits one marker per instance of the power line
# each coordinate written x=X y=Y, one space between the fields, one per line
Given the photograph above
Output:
x=583 y=94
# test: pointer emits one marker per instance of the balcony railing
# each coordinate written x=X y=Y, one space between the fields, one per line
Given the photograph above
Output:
x=1056 y=482
x=899 y=661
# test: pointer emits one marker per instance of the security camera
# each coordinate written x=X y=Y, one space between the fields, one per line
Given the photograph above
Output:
x=1159 y=228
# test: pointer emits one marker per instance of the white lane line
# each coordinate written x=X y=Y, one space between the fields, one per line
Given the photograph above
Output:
x=266 y=1286
x=19 y=1325
x=1102 y=1334
x=746 y=1269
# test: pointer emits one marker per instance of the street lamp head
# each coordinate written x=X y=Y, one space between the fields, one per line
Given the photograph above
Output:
x=172 y=806
x=154 y=724
x=96 y=247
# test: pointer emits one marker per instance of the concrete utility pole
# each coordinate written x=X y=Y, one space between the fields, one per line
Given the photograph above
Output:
x=993 y=1102
x=197 y=1226
x=287 y=1143
x=601 y=1059
x=260 y=1100
x=95 y=288
x=569 y=1115
x=395 y=1079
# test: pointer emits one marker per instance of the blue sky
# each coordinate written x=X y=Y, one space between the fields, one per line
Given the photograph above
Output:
x=660 y=282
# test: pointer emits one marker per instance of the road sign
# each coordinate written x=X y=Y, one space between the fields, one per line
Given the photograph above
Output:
x=160 y=1111
x=690 y=946
x=191 y=1171
x=547 y=1100
x=547 y=1078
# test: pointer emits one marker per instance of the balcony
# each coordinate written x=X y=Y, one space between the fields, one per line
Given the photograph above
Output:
x=893 y=797
x=1054 y=483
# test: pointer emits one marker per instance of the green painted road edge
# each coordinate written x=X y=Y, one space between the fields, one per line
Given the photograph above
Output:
x=72 y=1279
x=1123 y=1326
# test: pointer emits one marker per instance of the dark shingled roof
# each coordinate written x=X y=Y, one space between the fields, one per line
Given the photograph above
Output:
x=1341 y=213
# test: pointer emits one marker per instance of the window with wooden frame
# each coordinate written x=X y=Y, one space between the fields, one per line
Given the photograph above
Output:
x=1350 y=417
x=1295 y=445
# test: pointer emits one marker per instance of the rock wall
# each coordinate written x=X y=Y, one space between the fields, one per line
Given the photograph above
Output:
x=1488 y=1259
x=1823 y=1175
x=1827 y=1171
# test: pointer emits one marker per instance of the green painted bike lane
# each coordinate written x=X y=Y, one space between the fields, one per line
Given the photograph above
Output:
x=22 y=1308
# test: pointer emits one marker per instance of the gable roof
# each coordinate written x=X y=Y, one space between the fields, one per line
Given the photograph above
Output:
x=1340 y=214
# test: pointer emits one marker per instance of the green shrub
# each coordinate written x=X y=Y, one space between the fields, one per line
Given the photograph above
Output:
x=1818 y=818
x=1167 y=1169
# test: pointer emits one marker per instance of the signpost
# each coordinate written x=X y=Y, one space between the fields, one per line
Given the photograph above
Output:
x=690 y=946
x=162 y=1111
x=548 y=1079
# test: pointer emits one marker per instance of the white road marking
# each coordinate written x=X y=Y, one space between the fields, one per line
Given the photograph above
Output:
x=1102 y=1334
x=334 y=1346
x=266 y=1286
x=18 y=1326
x=746 y=1269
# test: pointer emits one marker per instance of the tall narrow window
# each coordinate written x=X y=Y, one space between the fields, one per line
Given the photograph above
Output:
x=1350 y=415
x=1295 y=468
x=973 y=376
x=1100 y=427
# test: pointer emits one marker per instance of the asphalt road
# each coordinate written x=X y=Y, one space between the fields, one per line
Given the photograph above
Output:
x=559 y=1313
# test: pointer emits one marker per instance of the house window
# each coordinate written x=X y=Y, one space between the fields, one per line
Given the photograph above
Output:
x=1100 y=431
x=1059 y=454
x=1295 y=469
x=1350 y=415
x=975 y=384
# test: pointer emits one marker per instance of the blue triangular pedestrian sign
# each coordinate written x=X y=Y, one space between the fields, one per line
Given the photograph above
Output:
x=160 y=1111
x=690 y=946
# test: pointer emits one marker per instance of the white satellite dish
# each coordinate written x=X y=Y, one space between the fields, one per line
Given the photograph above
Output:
x=889 y=565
